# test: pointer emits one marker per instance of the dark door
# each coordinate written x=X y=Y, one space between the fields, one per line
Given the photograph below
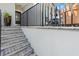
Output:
x=18 y=18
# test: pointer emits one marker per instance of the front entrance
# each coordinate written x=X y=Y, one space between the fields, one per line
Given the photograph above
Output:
x=17 y=18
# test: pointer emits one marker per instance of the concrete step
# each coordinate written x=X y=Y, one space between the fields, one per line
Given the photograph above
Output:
x=10 y=32
x=25 y=52
x=9 y=28
x=11 y=36
x=13 y=50
x=11 y=45
x=14 y=42
x=15 y=38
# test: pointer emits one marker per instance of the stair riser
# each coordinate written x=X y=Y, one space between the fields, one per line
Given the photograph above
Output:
x=11 y=36
x=7 y=40
x=10 y=32
x=14 y=43
x=25 y=52
x=12 y=49
x=7 y=46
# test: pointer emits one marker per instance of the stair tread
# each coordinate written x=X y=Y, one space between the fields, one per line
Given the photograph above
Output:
x=15 y=51
x=14 y=38
x=3 y=47
x=11 y=36
x=25 y=51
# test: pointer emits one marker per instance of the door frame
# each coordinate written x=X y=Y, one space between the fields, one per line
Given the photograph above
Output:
x=20 y=16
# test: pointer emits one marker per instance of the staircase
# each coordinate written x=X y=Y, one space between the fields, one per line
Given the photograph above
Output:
x=14 y=42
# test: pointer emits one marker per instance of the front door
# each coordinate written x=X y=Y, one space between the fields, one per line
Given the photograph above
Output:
x=18 y=18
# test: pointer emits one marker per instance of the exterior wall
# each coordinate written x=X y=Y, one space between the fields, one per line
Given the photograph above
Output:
x=68 y=17
x=49 y=11
x=9 y=7
x=75 y=12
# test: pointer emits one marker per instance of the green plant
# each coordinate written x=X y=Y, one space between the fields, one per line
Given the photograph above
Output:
x=7 y=18
x=6 y=14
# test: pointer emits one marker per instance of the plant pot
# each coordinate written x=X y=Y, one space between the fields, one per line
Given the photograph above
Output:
x=7 y=21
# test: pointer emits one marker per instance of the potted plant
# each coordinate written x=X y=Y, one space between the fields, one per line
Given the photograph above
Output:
x=7 y=19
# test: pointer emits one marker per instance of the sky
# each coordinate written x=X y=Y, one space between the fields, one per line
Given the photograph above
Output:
x=60 y=5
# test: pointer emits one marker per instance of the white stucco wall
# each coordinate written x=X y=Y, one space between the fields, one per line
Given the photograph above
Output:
x=9 y=7
x=51 y=42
